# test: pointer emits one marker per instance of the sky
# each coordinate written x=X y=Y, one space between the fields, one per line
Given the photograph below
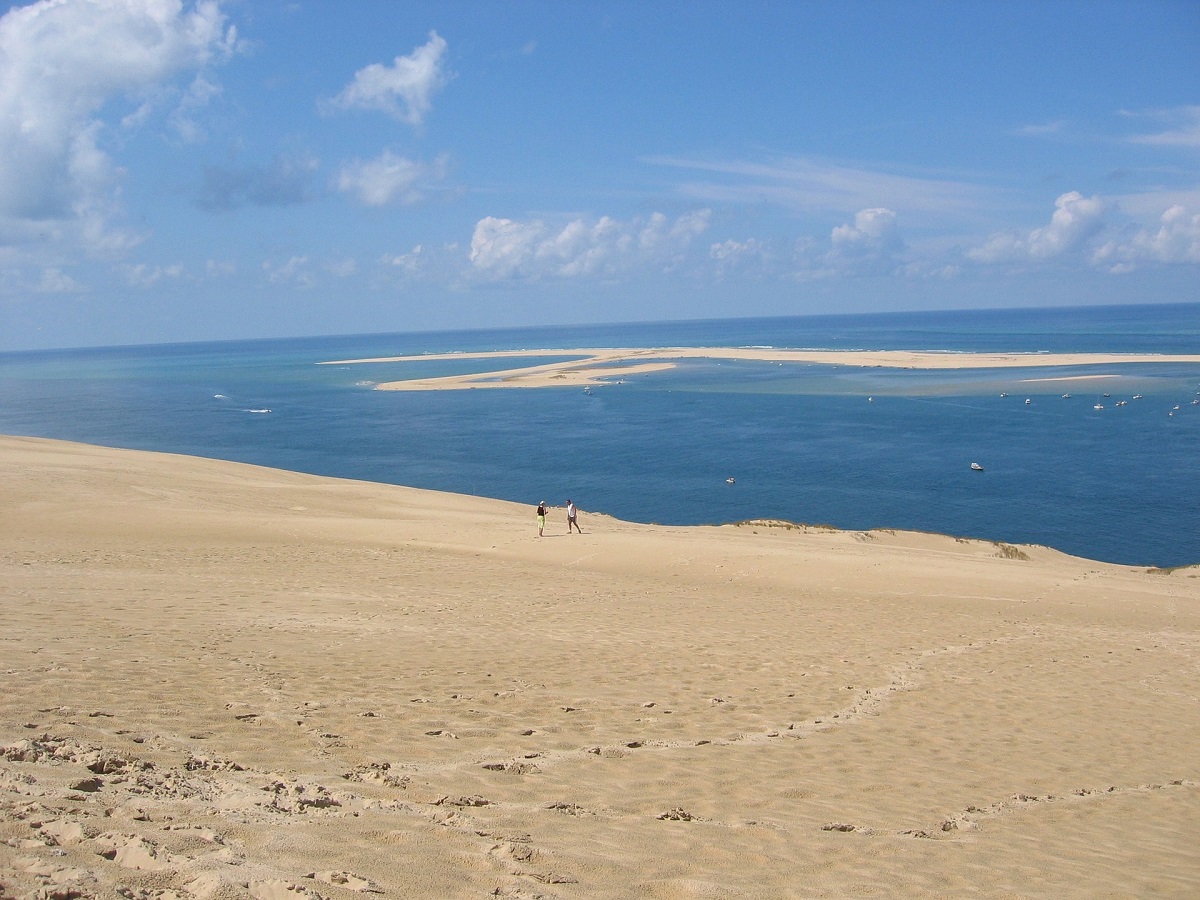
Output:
x=228 y=169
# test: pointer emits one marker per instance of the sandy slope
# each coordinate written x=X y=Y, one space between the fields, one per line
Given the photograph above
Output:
x=228 y=681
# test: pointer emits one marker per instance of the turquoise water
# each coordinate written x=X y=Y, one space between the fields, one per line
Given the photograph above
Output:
x=803 y=441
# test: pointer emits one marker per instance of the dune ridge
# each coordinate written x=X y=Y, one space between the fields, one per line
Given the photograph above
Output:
x=230 y=681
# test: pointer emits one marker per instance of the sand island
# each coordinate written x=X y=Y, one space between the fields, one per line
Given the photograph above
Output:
x=601 y=366
x=226 y=681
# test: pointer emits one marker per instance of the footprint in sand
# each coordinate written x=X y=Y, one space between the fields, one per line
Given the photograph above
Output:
x=348 y=880
x=277 y=889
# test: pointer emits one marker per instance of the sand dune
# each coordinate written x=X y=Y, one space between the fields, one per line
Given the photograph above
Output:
x=223 y=681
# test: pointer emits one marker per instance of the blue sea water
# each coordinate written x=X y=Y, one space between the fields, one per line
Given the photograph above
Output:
x=803 y=442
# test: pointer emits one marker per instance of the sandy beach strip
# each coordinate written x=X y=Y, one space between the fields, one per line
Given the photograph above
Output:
x=601 y=366
x=227 y=681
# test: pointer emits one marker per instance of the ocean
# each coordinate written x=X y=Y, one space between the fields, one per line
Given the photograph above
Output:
x=846 y=446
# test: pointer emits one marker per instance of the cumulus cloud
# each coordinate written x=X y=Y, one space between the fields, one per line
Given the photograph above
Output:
x=870 y=245
x=283 y=182
x=61 y=62
x=403 y=90
x=873 y=234
x=505 y=249
x=502 y=247
x=409 y=263
x=731 y=255
x=1176 y=240
x=1076 y=220
x=387 y=179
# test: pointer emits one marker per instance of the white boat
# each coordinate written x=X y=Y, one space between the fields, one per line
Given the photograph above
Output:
x=1066 y=396
x=730 y=480
x=977 y=467
x=1027 y=401
x=1004 y=393
x=1098 y=406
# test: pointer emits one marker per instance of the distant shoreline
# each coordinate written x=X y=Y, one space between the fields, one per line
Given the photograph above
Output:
x=595 y=366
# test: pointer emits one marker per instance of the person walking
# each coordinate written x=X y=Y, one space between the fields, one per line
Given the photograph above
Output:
x=572 y=517
x=541 y=517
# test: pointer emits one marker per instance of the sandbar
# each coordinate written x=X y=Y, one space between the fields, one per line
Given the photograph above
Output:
x=226 y=681
x=597 y=366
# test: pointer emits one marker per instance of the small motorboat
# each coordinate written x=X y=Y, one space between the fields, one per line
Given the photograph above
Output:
x=1066 y=396
x=1004 y=393
x=1098 y=406
x=730 y=480
x=1027 y=401
x=976 y=467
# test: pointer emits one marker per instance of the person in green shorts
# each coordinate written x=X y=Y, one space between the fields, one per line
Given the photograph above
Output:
x=541 y=514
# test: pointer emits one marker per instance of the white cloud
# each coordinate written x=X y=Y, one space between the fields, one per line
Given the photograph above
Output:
x=1075 y=221
x=61 y=62
x=731 y=255
x=660 y=232
x=805 y=186
x=1182 y=128
x=386 y=179
x=731 y=249
x=503 y=248
x=198 y=96
x=409 y=263
x=873 y=231
x=54 y=281
x=143 y=276
x=293 y=271
x=1176 y=240
x=871 y=245
x=404 y=90
x=342 y=268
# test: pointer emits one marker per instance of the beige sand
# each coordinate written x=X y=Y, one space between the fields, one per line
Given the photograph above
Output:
x=223 y=681
x=595 y=366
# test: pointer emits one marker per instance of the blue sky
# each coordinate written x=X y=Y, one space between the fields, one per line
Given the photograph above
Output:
x=175 y=171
